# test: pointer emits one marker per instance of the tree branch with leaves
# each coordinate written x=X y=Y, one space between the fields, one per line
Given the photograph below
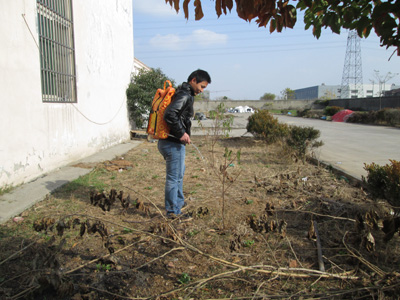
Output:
x=362 y=15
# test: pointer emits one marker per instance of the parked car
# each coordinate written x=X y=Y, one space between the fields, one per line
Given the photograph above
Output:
x=200 y=116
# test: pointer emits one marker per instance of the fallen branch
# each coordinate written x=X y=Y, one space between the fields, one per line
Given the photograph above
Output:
x=319 y=248
x=287 y=272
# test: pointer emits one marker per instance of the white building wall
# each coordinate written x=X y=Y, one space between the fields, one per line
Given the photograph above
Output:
x=38 y=137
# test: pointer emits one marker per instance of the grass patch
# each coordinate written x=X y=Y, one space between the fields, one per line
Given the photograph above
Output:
x=292 y=112
x=6 y=189
x=92 y=181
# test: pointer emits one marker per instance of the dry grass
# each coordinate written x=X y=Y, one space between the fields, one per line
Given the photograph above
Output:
x=262 y=248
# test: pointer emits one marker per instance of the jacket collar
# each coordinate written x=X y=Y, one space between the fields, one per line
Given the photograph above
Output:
x=187 y=87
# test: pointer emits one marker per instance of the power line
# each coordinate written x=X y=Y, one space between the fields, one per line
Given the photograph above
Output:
x=251 y=47
x=232 y=53
x=276 y=36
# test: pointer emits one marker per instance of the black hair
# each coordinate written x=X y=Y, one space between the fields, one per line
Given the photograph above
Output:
x=200 y=76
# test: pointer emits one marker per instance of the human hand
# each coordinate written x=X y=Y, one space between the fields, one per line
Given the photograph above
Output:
x=185 y=139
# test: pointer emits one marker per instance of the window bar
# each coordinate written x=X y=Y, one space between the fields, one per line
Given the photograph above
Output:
x=52 y=53
x=72 y=52
x=57 y=50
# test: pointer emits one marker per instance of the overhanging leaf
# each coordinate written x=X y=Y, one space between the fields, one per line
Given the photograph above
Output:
x=362 y=15
x=186 y=8
x=198 y=10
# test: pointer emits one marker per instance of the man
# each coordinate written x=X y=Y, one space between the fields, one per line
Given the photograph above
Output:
x=177 y=115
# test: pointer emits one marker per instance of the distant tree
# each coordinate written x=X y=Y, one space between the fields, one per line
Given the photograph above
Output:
x=287 y=94
x=268 y=96
x=361 y=15
x=141 y=91
x=328 y=96
x=204 y=96
x=223 y=98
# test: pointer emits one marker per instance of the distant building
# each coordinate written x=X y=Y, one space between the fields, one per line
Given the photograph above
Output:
x=138 y=65
x=394 y=92
x=318 y=92
x=333 y=91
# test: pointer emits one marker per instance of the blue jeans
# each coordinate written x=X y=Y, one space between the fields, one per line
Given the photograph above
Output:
x=174 y=154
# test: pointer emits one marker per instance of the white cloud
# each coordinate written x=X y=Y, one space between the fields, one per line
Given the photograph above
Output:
x=153 y=7
x=207 y=38
x=168 y=42
x=200 y=37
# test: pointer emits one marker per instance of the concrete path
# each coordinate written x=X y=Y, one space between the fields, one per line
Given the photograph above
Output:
x=26 y=195
x=346 y=146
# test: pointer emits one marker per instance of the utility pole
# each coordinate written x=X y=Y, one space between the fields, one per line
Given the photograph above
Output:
x=382 y=81
x=352 y=78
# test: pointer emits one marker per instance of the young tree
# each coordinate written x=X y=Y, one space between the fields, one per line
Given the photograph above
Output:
x=287 y=94
x=268 y=96
x=204 y=96
x=141 y=91
x=362 y=15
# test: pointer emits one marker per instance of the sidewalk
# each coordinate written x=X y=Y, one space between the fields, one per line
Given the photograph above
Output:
x=26 y=195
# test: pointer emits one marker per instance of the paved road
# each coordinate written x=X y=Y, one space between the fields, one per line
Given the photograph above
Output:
x=346 y=146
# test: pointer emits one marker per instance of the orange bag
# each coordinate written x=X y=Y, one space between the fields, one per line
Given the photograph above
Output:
x=157 y=127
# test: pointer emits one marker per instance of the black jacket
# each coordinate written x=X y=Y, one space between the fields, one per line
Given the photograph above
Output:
x=178 y=114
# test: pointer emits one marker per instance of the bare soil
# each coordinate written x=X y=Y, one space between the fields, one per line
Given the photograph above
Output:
x=281 y=229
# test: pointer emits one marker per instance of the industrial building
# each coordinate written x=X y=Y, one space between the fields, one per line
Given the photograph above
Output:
x=326 y=92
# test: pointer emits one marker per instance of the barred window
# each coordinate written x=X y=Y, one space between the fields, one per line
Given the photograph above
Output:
x=57 y=50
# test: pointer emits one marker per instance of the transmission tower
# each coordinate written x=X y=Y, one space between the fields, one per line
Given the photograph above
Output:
x=352 y=79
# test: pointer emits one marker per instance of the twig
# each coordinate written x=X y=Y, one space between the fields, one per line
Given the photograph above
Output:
x=287 y=272
x=319 y=249
x=157 y=258
x=94 y=260
x=294 y=253
x=392 y=55
x=363 y=260
x=19 y=251
x=316 y=214
x=147 y=198
x=333 y=263
x=270 y=249
x=30 y=289
x=159 y=211
x=112 y=294
x=256 y=292
x=306 y=288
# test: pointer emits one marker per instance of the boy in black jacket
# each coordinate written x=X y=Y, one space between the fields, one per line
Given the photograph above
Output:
x=178 y=117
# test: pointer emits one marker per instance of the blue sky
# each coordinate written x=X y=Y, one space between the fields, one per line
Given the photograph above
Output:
x=245 y=61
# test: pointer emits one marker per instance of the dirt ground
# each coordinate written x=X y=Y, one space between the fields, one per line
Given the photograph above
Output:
x=264 y=227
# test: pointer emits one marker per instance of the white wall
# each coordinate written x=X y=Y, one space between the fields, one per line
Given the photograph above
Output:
x=38 y=137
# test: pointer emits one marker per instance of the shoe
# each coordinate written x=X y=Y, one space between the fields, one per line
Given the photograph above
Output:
x=185 y=217
x=171 y=216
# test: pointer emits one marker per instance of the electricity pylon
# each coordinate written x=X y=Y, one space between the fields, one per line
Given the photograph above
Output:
x=352 y=79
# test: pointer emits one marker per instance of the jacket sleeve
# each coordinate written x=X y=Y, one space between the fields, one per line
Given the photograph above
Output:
x=173 y=113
